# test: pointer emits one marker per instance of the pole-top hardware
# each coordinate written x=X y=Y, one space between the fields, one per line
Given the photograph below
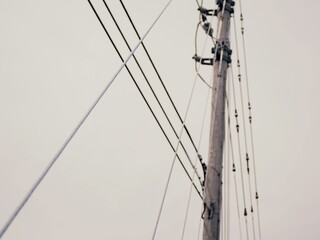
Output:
x=227 y=52
x=208 y=29
x=205 y=12
x=203 y=61
x=228 y=6
x=213 y=187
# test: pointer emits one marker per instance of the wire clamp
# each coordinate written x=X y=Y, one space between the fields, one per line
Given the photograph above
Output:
x=205 y=12
x=225 y=50
x=208 y=29
x=203 y=61
x=229 y=6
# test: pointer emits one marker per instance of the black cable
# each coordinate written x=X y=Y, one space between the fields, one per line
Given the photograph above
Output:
x=151 y=88
x=144 y=98
x=162 y=83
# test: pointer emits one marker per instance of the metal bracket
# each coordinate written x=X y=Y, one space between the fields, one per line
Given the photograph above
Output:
x=228 y=6
x=203 y=61
x=205 y=12
x=227 y=52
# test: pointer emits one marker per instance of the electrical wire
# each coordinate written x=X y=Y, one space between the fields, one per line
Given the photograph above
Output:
x=210 y=88
x=217 y=87
x=144 y=98
x=250 y=116
x=196 y=51
x=158 y=74
x=199 y=144
x=232 y=156
x=247 y=157
x=78 y=126
x=196 y=47
x=227 y=164
x=172 y=165
x=240 y=157
x=244 y=126
x=151 y=88
x=214 y=60
x=175 y=156
x=199 y=4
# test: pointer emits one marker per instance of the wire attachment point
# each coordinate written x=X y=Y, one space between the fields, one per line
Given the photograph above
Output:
x=205 y=12
x=208 y=29
x=203 y=61
x=225 y=50
x=226 y=5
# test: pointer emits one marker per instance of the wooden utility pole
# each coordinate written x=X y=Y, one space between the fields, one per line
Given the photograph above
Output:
x=213 y=184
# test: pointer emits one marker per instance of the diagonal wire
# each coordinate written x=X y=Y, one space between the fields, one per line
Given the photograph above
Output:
x=73 y=133
x=175 y=156
x=158 y=74
x=219 y=29
x=151 y=88
x=145 y=100
x=197 y=71
x=199 y=144
x=208 y=93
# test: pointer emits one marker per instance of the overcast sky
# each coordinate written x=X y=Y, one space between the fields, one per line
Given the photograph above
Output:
x=54 y=61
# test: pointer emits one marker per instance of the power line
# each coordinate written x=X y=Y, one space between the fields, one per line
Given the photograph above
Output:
x=173 y=161
x=247 y=155
x=250 y=115
x=232 y=157
x=196 y=51
x=63 y=147
x=144 y=98
x=214 y=59
x=240 y=155
x=158 y=74
x=244 y=122
x=151 y=88
x=197 y=68
x=199 y=144
x=172 y=165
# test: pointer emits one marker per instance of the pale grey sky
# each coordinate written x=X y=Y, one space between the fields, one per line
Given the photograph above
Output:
x=55 y=59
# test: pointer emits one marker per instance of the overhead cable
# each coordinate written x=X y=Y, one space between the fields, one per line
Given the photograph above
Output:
x=66 y=143
x=144 y=98
x=209 y=89
x=250 y=114
x=196 y=51
x=230 y=78
x=151 y=88
x=177 y=147
x=199 y=144
x=245 y=132
x=158 y=74
x=240 y=156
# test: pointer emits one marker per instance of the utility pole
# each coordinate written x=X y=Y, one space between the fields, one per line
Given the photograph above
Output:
x=213 y=185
